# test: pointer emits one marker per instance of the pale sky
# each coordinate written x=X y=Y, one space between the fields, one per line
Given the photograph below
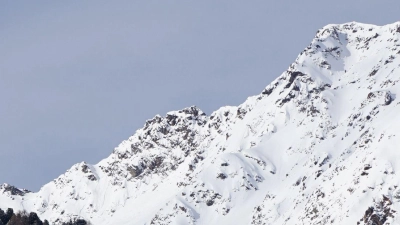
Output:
x=78 y=77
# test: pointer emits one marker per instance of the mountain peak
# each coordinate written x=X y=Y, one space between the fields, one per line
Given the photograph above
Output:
x=316 y=146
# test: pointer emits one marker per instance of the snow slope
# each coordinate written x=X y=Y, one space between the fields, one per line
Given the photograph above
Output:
x=317 y=146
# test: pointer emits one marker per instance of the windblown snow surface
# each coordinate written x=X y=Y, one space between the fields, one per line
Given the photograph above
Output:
x=320 y=145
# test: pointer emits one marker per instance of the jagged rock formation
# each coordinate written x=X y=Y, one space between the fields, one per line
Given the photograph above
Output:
x=317 y=146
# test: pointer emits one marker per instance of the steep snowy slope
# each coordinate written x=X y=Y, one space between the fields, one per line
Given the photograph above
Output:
x=318 y=146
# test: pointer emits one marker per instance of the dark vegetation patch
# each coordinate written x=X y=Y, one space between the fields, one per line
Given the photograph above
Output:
x=9 y=217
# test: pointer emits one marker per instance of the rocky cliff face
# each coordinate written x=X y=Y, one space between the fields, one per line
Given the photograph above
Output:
x=317 y=146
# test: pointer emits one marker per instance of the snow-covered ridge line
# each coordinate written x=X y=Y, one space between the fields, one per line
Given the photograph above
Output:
x=316 y=146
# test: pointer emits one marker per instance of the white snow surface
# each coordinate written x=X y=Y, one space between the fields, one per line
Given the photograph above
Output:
x=318 y=146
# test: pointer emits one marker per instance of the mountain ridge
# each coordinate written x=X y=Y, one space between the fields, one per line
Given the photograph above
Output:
x=282 y=157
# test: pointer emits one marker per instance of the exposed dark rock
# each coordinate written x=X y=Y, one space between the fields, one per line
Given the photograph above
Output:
x=379 y=214
x=367 y=167
x=135 y=148
x=210 y=202
x=92 y=177
x=193 y=110
x=134 y=171
x=222 y=176
x=373 y=72
x=163 y=130
x=13 y=190
x=268 y=90
x=240 y=113
x=182 y=208
x=319 y=172
x=124 y=155
x=388 y=99
x=293 y=76
x=289 y=97
x=85 y=168
x=319 y=89
x=156 y=163
x=171 y=119
x=313 y=111
x=364 y=173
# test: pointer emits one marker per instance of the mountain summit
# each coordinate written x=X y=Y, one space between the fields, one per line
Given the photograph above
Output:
x=317 y=146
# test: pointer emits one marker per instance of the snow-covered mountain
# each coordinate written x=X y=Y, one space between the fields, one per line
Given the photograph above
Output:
x=320 y=145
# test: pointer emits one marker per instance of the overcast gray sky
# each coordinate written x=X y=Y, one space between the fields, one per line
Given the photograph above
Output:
x=78 y=77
